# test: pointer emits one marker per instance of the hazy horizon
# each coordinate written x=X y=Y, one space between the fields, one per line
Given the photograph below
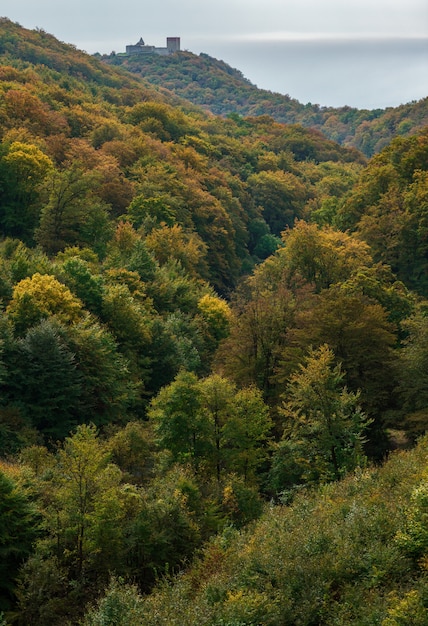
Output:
x=371 y=73
x=363 y=54
x=361 y=72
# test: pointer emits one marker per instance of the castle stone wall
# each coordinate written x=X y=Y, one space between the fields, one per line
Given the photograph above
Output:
x=172 y=45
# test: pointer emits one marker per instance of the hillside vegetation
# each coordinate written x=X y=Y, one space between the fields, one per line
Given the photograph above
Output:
x=211 y=331
x=217 y=87
x=349 y=554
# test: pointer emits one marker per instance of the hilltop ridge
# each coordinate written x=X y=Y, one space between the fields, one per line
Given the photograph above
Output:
x=223 y=90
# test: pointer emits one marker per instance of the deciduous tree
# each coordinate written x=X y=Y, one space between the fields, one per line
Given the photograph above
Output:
x=19 y=527
x=323 y=424
x=39 y=297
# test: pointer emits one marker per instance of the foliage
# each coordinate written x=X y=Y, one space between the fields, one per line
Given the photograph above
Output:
x=413 y=372
x=388 y=207
x=216 y=86
x=181 y=427
x=43 y=381
x=281 y=195
x=121 y=606
x=38 y=297
x=212 y=425
x=320 y=287
x=183 y=360
x=19 y=528
x=213 y=319
x=329 y=557
x=323 y=424
x=23 y=168
x=107 y=392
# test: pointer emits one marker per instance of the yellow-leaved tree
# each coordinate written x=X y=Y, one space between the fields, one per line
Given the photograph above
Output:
x=40 y=297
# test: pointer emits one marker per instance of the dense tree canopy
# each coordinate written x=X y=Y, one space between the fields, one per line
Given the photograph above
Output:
x=214 y=85
x=200 y=317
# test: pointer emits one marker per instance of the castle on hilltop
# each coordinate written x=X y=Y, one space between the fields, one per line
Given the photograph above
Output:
x=172 y=45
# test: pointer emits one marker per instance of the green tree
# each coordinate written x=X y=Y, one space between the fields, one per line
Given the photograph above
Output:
x=130 y=322
x=151 y=211
x=388 y=207
x=43 y=381
x=217 y=393
x=23 y=262
x=246 y=433
x=19 y=527
x=412 y=264
x=172 y=288
x=281 y=195
x=412 y=373
x=108 y=392
x=176 y=344
x=86 y=517
x=213 y=425
x=45 y=594
x=86 y=512
x=164 y=529
x=73 y=214
x=23 y=168
x=323 y=423
x=121 y=605
x=83 y=283
x=128 y=251
x=180 y=424
x=358 y=331
x=413 y=536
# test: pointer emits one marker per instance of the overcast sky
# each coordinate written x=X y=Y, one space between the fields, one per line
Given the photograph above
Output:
x=260 y=37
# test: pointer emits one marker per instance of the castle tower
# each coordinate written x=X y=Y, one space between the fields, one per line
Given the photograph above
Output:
x=173 y=44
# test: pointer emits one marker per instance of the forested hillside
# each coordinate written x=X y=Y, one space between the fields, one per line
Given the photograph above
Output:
x=217 y=87
x=211 y=330
x=349 y=554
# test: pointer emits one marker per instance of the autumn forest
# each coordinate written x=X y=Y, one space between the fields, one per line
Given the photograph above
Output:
x=213 y=348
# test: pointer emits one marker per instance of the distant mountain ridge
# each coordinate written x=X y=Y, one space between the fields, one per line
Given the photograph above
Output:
x=223 y=90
